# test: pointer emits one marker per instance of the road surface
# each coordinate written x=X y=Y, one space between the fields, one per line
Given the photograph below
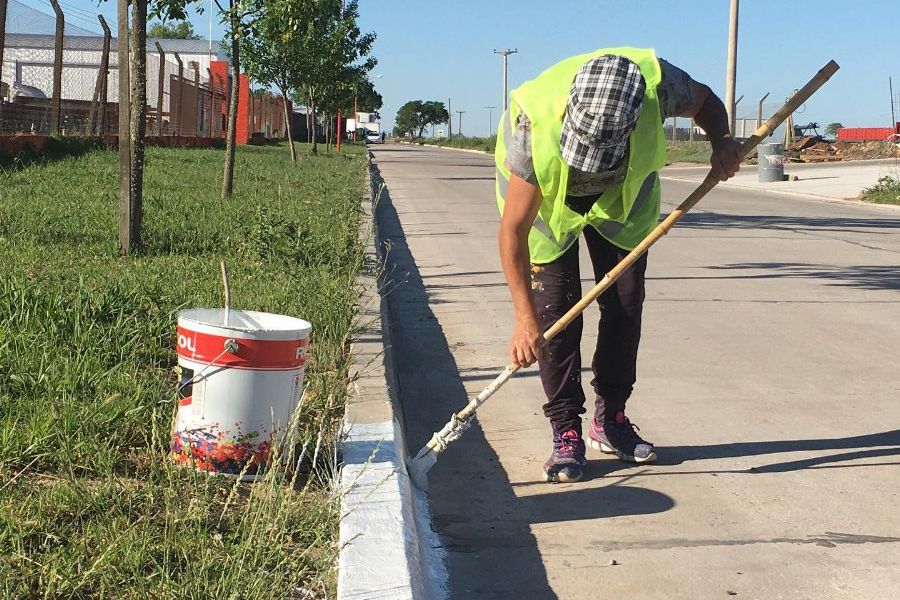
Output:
x=768 y=378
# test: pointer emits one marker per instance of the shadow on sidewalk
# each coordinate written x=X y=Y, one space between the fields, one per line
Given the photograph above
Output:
x=485 y=527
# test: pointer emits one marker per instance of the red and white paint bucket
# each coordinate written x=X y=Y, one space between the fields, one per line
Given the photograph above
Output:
x=241 y=378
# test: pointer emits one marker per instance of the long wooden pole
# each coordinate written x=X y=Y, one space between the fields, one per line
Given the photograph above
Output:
x=731 y=65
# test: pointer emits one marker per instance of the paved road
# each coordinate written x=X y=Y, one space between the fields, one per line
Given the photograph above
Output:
x=768 y=378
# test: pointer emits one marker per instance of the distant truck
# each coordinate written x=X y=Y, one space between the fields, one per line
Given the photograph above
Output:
x=367 y=123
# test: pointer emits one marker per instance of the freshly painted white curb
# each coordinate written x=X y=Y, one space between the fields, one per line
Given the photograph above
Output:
x=379 y=539
x=388 y=548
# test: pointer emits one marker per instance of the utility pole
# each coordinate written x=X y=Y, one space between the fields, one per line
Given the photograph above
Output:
x=460 y=113
x=490 y=119
x=731 y=69
x=505 y=54
x=449 y=121
x=893 y=115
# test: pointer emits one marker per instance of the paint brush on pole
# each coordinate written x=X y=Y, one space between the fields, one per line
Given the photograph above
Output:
x=419 y=466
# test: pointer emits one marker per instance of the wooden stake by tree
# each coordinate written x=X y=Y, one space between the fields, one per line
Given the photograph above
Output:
x=125 y=204
x=56 y=97
x=3 y=4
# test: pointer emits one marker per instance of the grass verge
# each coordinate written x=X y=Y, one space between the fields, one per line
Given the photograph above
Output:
x=90 y=507
x=485 y=144
x=886 y=191
x=687 y=152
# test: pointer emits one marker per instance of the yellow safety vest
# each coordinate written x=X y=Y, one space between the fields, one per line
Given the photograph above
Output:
x=625 y=213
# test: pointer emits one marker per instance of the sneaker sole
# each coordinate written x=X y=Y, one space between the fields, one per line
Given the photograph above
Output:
x=561 y=478
x=597 y=445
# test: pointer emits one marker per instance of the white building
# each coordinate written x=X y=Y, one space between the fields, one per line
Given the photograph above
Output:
x=28 y=60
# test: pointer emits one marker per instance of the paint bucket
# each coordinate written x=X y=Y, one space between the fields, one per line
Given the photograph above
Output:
x=241 y=378
x=770 y=162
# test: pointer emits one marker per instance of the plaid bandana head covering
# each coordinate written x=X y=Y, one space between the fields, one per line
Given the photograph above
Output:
x=604 y=104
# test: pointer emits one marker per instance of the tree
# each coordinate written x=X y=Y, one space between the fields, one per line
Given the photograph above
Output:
x=832 y=129
x=239 y=15
x=273 y=55
x=414 y=116
x=334 y=53
x=183 y=30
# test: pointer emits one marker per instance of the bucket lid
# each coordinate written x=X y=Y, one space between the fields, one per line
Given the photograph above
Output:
x=246 y=323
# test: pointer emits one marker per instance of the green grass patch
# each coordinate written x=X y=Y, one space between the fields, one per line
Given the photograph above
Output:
x=886 y=191
x=485 y=144
x=688 y=152
x=90 y=507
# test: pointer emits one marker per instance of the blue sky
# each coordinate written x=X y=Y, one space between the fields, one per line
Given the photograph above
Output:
x=432 y=50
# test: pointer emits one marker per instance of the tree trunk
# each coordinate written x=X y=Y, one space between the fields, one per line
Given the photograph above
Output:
x=287 y=124
x=124 y=110
x=228 y=175
x=137 y=129
x=313 y=132
x=328 y=125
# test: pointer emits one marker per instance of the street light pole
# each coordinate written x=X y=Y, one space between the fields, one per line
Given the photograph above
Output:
x=731 y=69
x=505 y=54
x=490 y=119
x=460 y=113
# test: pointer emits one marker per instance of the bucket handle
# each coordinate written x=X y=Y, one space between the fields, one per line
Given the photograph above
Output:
x=231 y=346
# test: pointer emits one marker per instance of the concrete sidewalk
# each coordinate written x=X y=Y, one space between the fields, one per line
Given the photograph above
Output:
x=835 y=180
x=768 y=379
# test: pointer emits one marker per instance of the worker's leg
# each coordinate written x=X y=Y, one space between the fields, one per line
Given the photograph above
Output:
x=619 y=333
x=615 y=358
x=556 y=287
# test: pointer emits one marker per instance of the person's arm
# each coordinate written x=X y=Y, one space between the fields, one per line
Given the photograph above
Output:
x=708 y=112
x=519 y=211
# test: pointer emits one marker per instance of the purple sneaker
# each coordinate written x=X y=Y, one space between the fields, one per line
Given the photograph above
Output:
x=566 y=463
x=620 y=438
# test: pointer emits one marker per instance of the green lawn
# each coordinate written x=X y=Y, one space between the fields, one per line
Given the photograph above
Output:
x=687 y=152
x=485 y=144
x=90 y=507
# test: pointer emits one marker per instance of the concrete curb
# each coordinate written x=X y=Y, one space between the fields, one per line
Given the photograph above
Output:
x=388 y=548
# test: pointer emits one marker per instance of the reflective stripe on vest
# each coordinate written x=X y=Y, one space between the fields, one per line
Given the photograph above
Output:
x=610 y=229
x=503 y=187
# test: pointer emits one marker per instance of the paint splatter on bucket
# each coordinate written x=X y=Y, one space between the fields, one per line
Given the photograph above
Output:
x=241 y=378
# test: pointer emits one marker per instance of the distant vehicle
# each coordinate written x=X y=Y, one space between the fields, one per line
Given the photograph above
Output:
x=373 y=137
x=20 y=90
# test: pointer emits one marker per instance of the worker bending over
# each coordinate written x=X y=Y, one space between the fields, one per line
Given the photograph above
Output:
x=577 y=155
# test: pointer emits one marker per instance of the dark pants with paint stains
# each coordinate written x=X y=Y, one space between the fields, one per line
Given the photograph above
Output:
x=556 y=288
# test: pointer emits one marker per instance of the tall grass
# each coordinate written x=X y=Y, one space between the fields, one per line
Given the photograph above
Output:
x=90 y=507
